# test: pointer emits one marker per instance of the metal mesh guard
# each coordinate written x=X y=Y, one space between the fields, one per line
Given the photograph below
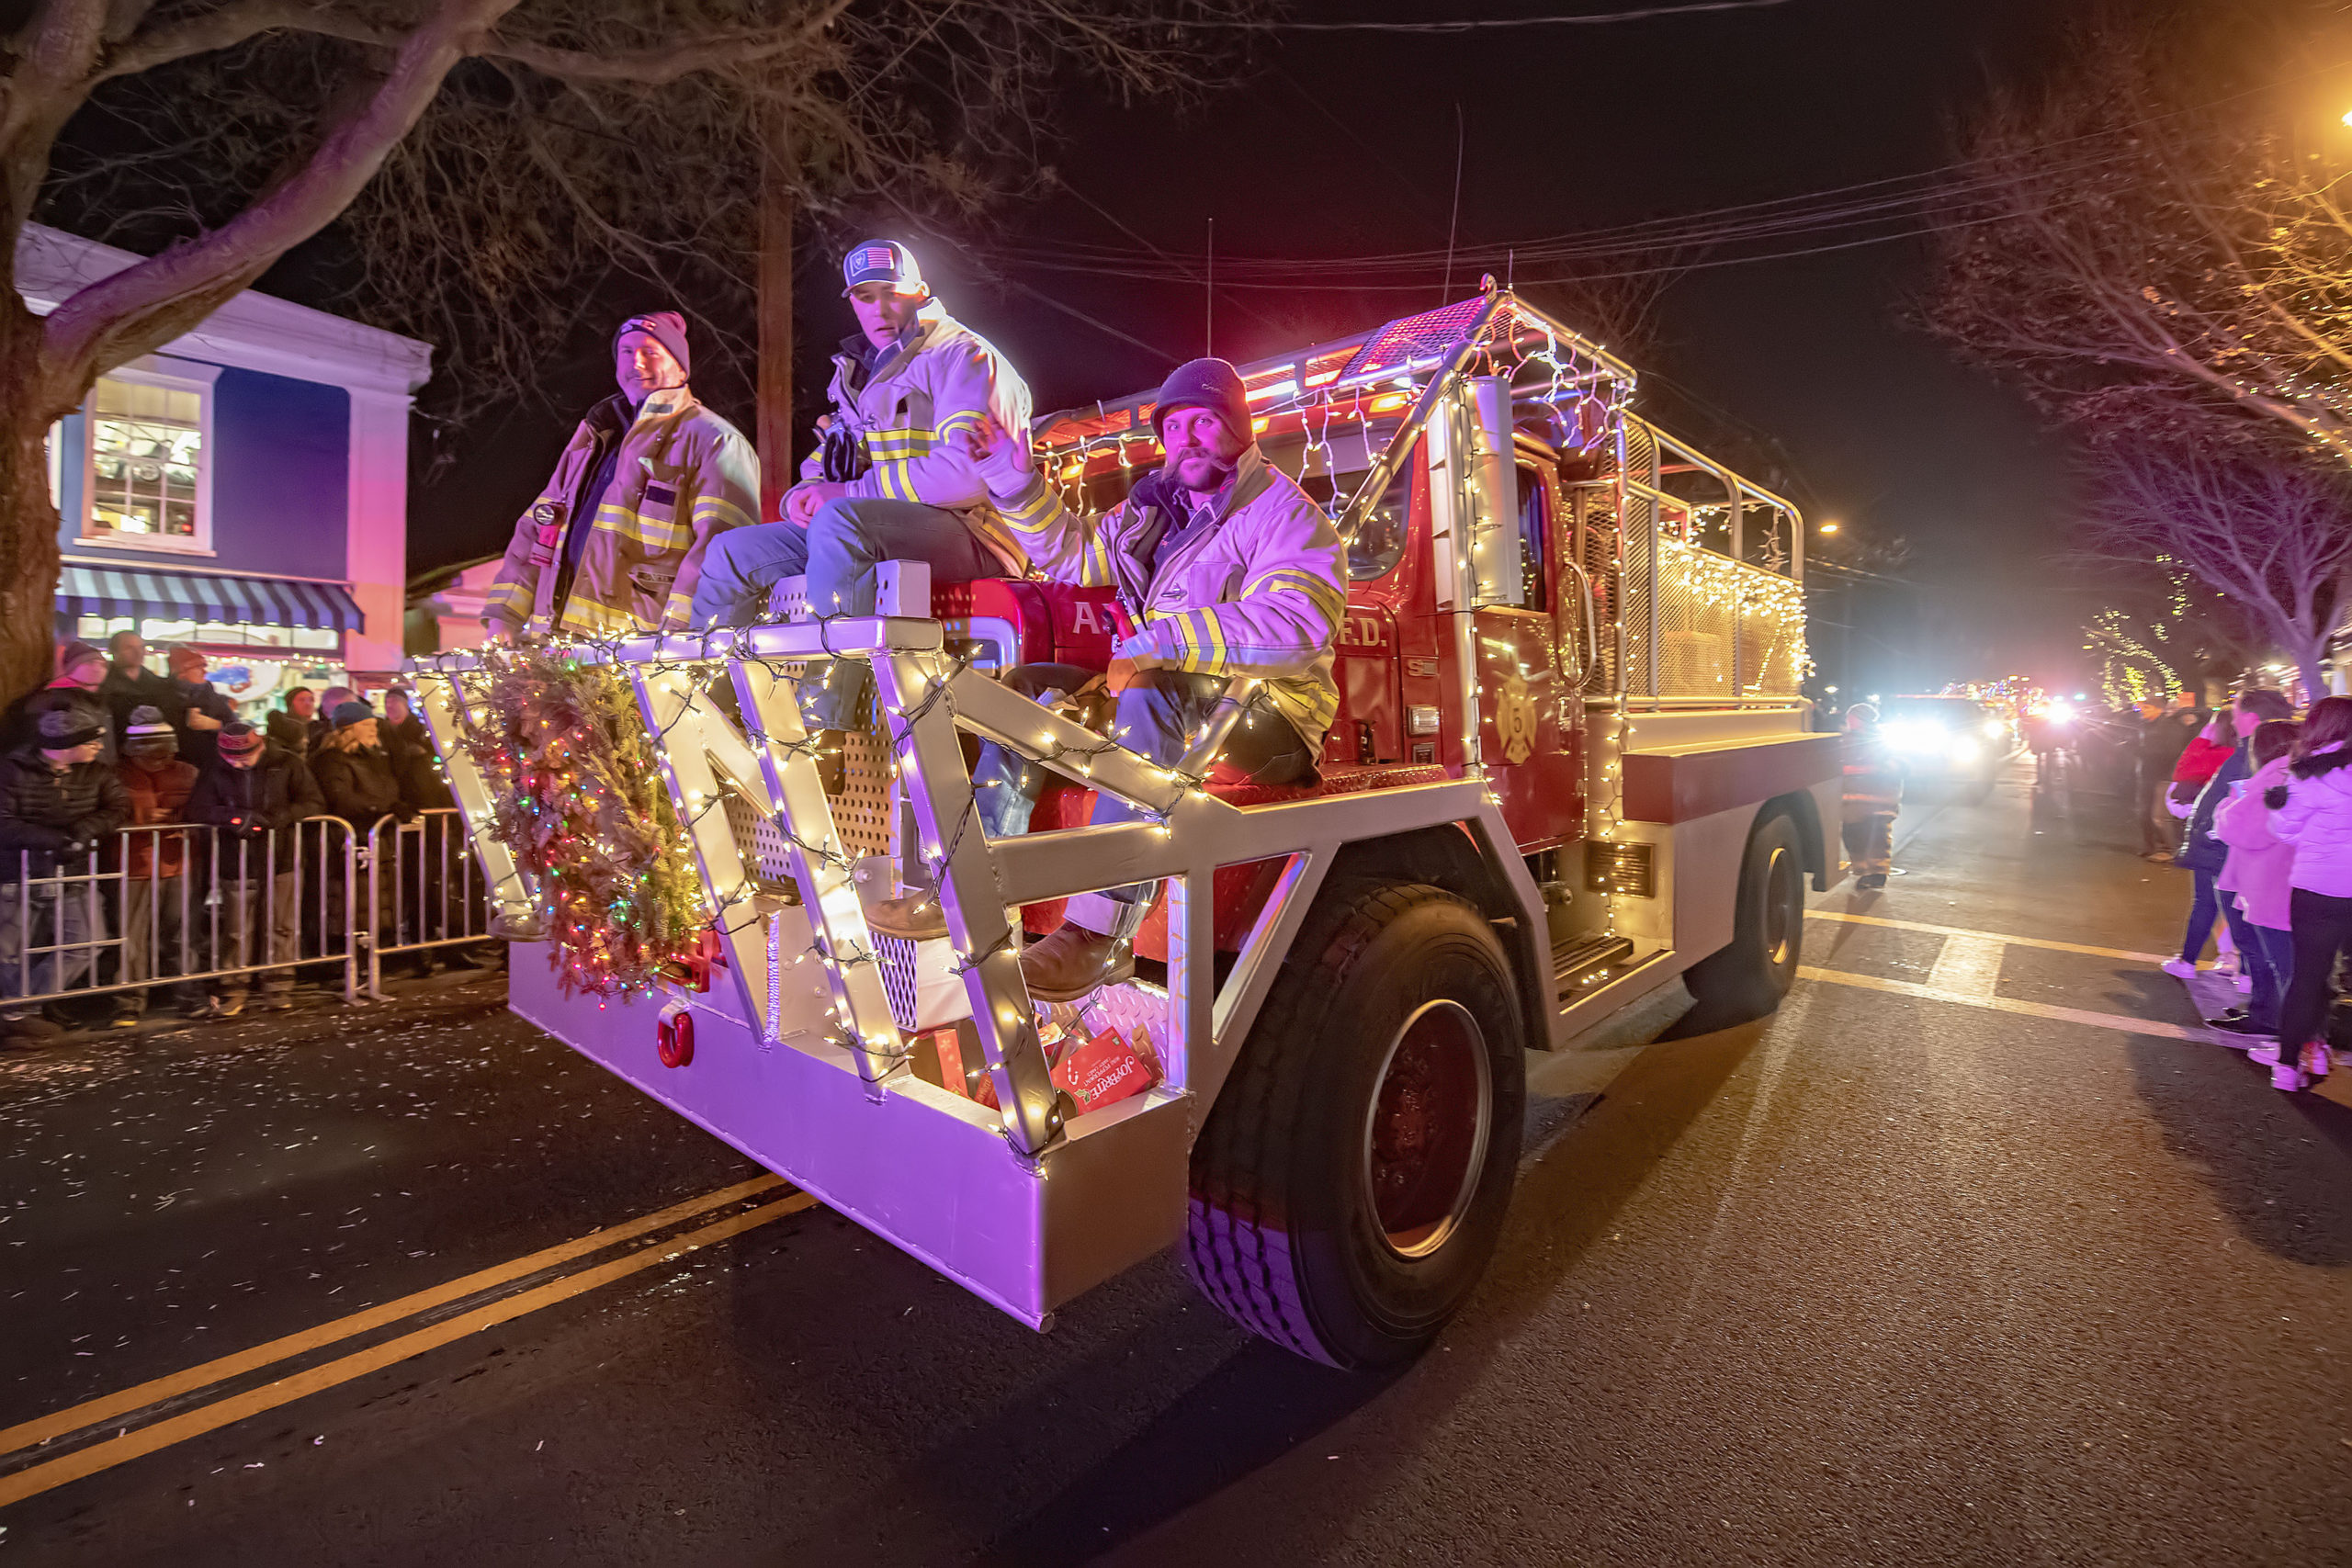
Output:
x=1410 y=338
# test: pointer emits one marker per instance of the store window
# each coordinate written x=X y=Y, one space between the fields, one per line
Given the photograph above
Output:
x=148 y=480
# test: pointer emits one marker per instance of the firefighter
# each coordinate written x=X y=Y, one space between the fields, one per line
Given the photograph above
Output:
x=1873 y=794
x=613 y=544
x=1224 y=566
x=889 y=480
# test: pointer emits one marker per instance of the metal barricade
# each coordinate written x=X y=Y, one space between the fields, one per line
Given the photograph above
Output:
x=170 y=906
x=425 y=887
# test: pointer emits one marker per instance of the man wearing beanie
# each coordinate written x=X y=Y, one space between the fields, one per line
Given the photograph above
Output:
x=252 y=794
x=59 y=803
x=616 y=542
x=81 y=671
x=158 y=783
x=1224 y=566
x=890 y=481
x=204 y=707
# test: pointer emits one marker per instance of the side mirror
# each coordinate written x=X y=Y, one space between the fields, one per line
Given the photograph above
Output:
x=1473 y=497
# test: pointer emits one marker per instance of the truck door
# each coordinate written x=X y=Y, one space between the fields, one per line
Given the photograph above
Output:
x=1530 y=708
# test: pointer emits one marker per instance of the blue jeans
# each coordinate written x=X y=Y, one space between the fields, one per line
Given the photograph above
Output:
x=2267 y=955
x=838 y=552
x=1156 y=717
x=2207 y=905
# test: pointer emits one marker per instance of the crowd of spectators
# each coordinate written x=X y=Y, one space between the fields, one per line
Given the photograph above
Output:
x=109 y=745
x=2257 y=808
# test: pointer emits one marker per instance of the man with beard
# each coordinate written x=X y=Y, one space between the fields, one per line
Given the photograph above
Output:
x=1224 y=566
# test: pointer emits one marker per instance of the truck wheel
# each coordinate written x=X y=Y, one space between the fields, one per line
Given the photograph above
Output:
x=1350 y=1184
x=1748 y=979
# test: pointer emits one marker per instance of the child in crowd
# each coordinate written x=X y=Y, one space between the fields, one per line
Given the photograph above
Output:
x=2257 y=875
x=2311 y=809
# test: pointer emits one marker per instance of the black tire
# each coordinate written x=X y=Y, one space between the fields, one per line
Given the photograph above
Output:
x=1341 y=1221
x=1748 y=979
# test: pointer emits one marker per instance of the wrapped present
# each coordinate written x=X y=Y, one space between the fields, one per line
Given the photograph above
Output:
x=1103 y=1068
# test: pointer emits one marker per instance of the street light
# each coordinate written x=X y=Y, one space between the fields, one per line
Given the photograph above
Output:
x=2347 y=117
x=1830 y=527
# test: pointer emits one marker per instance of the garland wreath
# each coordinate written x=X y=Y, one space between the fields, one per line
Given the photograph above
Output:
x=578 y=799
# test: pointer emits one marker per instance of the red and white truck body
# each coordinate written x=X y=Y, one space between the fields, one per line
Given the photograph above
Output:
x=1571 y=768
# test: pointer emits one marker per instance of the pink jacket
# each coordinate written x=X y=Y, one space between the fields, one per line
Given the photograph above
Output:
x=2261 y=864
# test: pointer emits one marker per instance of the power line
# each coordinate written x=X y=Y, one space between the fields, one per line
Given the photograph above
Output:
x=1486 y=24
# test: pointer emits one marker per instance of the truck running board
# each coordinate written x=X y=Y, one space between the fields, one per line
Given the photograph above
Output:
x=1582 y=959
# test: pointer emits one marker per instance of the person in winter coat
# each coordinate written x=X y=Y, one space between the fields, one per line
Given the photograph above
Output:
x=355 y=774
x=2163 y=738
x=891 y=480
x=2201 y=853
x=293 y=723
x=416 y=766
x=2313 y=811
x=618 y=540
x=1224 y=566
x=2203 y=757
x=159 y=916
x=129 y=684
x=1873 y=796
x=59 y=802
x=81 y=671
x=254 y=793
x=2258 y=875
x=203 y=707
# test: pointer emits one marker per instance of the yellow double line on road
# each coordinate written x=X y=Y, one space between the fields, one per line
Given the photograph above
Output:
x=147 y=1439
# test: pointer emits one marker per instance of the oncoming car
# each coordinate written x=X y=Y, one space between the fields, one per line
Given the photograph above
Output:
x=1946 y=738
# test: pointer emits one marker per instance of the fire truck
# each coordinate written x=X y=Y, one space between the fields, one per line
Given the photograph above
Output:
x=1570 y=769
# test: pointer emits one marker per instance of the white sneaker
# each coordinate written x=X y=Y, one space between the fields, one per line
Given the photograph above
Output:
x=2314 y=1061
x=2266 y=1053
x=2286 y=1079
x=2245 y=984
x=2179 y=969
x=2227 y=963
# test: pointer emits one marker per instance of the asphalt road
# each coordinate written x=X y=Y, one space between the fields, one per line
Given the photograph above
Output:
x=1975 y=1254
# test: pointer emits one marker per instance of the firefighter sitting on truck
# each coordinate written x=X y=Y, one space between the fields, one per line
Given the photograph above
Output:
x=1224 y=566
x=647 y=482
x=887 y=483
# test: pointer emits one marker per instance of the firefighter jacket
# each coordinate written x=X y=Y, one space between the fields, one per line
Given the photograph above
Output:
x=1873 y=782
x=907 y=405
x=683 y=474
x=1258 y=591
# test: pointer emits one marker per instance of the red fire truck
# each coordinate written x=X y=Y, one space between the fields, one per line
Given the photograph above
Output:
x=1570 y=769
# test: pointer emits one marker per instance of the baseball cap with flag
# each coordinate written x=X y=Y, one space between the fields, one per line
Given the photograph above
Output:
x=881 y=261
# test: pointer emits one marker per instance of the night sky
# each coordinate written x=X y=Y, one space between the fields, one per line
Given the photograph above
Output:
x=1340 y=145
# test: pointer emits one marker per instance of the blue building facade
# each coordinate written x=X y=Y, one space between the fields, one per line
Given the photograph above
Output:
x=244 y=490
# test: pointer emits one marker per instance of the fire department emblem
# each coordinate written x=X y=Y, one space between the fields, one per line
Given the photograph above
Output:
x=1515 y=718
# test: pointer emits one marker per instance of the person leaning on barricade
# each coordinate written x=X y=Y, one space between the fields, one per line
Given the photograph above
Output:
x=160 y=916
x=254 y=793
x=890 y=480
x=355 y=778
x=58 y=802
x=1224 y=568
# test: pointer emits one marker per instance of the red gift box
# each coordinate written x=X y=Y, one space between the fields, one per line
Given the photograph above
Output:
x=1103 y=1069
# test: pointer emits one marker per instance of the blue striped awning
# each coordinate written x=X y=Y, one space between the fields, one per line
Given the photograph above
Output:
x=199 y=597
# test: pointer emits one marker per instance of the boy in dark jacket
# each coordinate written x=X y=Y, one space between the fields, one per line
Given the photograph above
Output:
x=254 y=793
x=357 y=779
x=58 y=802
x=205 y=708
x=159 y=911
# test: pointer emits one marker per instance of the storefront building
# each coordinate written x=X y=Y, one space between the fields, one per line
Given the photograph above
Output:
x=244 y=490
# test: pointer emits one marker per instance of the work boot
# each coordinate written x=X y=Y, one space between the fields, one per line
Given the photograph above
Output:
x=1871 y=882
x=1074 y=961
x=915 y=917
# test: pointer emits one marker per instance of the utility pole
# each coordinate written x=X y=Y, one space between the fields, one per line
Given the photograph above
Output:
x=772 y=433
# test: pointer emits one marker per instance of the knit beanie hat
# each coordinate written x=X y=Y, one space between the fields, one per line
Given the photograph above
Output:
x=147 y=724
x=238 y=738
x=1205 y=384
x=72 y=653
x=351 y=712
x=186 y=658
x=65 y=727
x=666 y=327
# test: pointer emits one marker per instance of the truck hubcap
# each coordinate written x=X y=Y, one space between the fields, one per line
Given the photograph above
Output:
x=1780 y=909
x=1425 y=1140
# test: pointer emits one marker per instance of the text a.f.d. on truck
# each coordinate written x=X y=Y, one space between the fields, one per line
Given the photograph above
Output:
x=1570 y=769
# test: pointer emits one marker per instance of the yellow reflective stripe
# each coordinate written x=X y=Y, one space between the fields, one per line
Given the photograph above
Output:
x=679 y=609
x=961 y=419
x=1036 y=515
x=613 y=517
x=1096 y=570
x=890 y=478
x=990 y=527
x=509 y=596
x=720 y=512
x=1209 y=644
x=1325 y=597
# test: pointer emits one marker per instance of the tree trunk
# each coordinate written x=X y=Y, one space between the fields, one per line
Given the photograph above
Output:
x=774 y=435
x=27 y=521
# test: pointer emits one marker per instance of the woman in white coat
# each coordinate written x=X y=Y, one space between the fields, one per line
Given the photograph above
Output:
x=2313 y=811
